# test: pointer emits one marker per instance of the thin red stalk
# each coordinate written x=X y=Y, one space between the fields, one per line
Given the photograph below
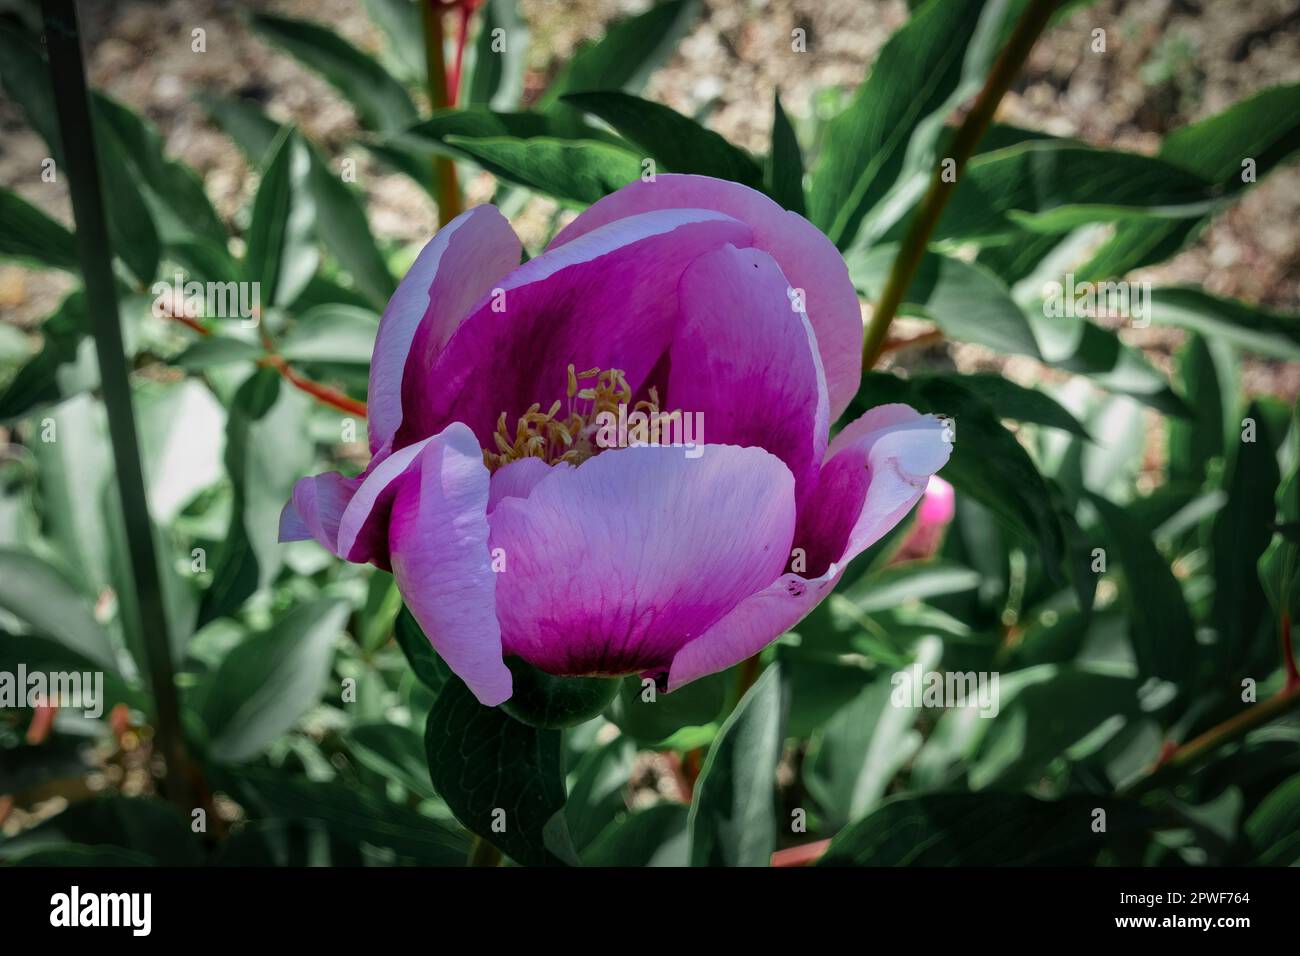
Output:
x=325 y=394
x=1288 y=652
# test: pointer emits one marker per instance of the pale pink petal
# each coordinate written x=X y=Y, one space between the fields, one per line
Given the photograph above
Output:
x=869 y=483
x=452 y=272
x=438 y=538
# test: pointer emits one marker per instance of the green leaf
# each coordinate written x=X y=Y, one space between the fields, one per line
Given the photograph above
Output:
x=332 y=333
x=1043 y=720
x=379 y=614
x=899 y=583
x=282 y=255
x=1248 y=327
x=1264 y=127
x=916 y=73
x=1017 y=402
x=578 y=171
x=215 y=351
x=854 y=757
x=497 y=76
x=966 y=301
x=73 y=472
x=27 y=233
x=1274 y=828
x=244 y=122
x=733 y=815
x=403 y=51
x=625 y=56
x=350 y=814
x=1239 y=535
x=656 y=836
x=412 y=150
x=1052 y=186
x=553 y=703
x=654 y=718
x=785 y=165
x=267 y=450
x=43 y=599
x=131 y=230
x=64 y=367
x=596 y=797
x=502 y=779
x=395 y=753
x=179 y=203
x=1194 y=442
x=1074 y=344
x=380 y=101
x=145 y=826
x=427 y=666
x=677 y=142
x=342 y=226
x=267 y=682
x=982 y=829
x=1279 y=566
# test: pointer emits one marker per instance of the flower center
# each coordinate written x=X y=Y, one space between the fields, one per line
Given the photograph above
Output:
x=570 y=437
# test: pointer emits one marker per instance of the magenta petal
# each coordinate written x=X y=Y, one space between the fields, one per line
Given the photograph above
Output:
x=868 y=484
x=452 y=272
x=614 y=565
x=808 y=259
x=438 y=537
x=516 y=480
x=607 y=300
x=316 y=508
x=745 y=359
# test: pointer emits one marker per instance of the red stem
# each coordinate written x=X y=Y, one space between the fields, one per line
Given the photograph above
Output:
x=325 y=394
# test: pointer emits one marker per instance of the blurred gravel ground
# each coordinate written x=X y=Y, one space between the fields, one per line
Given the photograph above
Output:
x=1168 y=62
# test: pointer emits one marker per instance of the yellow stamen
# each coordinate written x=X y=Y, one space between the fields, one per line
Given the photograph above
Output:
x=552 y=438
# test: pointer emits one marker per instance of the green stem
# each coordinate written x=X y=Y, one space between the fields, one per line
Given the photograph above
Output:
x=446 y=189
x=483 y=853
x=1196 y=750
x=63 y=40
x=912 y=251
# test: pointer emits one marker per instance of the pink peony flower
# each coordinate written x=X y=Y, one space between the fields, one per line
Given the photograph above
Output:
x=494 y=495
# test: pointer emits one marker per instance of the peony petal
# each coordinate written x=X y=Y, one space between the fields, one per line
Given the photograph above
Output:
x=452 y=272
x=607 y=300
x=516 y=480
x=868 y=485
x=745 y=361
x=614 y=565
x=316 y=507
x=438 y=536
x=808 y=259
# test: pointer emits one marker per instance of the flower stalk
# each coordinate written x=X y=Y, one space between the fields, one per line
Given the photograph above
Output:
x=446 y=188
x=912 y=251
